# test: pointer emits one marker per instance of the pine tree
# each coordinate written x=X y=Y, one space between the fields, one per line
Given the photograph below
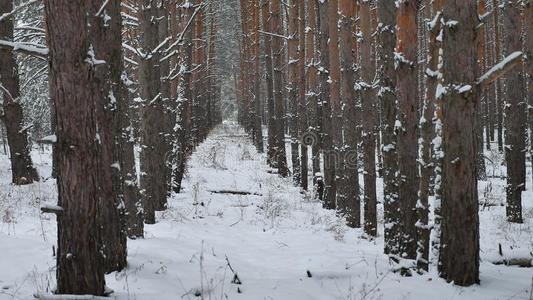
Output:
x=80 y=268
x=22 y=169
x=515 y=115
x=459 y=99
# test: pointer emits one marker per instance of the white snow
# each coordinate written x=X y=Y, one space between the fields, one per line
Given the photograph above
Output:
x=271 y=241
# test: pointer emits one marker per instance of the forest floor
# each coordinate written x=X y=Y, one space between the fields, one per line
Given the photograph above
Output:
x=273 y=238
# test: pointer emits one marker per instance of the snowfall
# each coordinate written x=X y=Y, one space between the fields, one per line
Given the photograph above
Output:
x=275 y=243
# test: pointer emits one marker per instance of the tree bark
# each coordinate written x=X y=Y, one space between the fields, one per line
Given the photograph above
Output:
x=459 y=249
x=368 y=103
x=313 y=136
x=387 y=99
x=106 y=41
x=22 y=169
x=325 y=91
x=407 y=91
x=515 y=116
x=258 y=130
x=349 y=203
x=302 y=105
x=277 y=50
x=292 y=88
x=80 y=264
x=153 y=176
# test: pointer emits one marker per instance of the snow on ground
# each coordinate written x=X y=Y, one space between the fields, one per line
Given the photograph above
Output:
x=270 y=239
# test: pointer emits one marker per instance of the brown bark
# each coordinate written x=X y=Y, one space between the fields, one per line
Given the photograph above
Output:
x=335 y=101
x=528 y=69
x=292 y=87
x=481 y=58
x=22 y=169
x=515 y=116
x=312 y=91
x=427 y=129
x=267 y=46
x=459 y=248
x=407 y=91
x=387 y=99
x=277 y=50
x=80 y=268
x=183 y=145
x=325 y=91
x=348 y=189
x=258 y=130
x=498 y=83
x=368 y=103
x=106 y=42
x=302 y=105
x=153 y=176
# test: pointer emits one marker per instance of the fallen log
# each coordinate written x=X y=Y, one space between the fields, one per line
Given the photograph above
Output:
x=240 y=193
x=521 y=262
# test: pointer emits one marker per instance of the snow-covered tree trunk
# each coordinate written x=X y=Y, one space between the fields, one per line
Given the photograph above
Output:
x=257 y=124
x=336 y=152
x=368 y=101
x=267 y=48
x=182 y=133
x=11 y=113
x=292 y=87
x=278 y=59
x=313 y=100
x=387 y=98
x=458 y=96
x=528 y=46
x=302 y=105
x=325 y=105
x=105 y=34
x=75 y=90
x=515 y=115
x=349 y=202
x=153 y=178
x=407 y=124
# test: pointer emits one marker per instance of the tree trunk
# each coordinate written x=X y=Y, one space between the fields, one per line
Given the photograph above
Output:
x=292 y=88
x=368 y=119
x=277 y=50
x=22 y=169
x=528 y=26
x=427 y=128
x=267 y=41
x=302 y=105
x=182 y=144
x=258 y=130
x=515 y=116
x=153 y=177
x=312 y=138
x=387 y=99
x=325 y=91
x=348 y=199
x=80 y=265
x=106 y=41
x=459 y=249
x=407 y=91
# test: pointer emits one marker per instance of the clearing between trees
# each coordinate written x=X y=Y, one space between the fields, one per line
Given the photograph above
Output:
x=237 y=231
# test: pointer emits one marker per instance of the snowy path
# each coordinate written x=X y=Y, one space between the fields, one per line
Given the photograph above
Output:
x=271 y=240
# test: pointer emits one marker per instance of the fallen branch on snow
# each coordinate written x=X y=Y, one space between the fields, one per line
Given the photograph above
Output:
x=240 y=193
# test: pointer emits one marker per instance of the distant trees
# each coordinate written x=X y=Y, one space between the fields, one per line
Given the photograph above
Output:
x=368 y=89
x=97 y=183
